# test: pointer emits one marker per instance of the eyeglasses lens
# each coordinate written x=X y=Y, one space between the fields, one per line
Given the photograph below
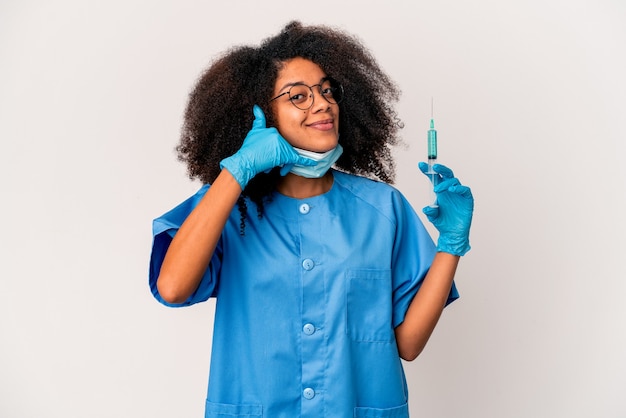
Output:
x=302 y=96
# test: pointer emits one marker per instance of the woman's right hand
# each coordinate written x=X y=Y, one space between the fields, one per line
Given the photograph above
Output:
x=263 y=149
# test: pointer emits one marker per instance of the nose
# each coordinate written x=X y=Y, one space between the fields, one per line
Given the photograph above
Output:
x=319 y=102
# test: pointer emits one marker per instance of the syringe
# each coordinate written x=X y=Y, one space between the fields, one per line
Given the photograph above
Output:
x=432 y=155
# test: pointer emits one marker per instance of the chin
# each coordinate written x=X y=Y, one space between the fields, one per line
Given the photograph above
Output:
x=317 y=143
x=326 y=145
x=322 y=150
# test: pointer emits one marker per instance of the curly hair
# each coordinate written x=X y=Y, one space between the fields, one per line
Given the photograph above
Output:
x=219 y=112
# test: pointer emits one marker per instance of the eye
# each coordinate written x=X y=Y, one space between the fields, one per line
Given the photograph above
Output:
x=328 y=91
x=299 y=93
x=298 y=97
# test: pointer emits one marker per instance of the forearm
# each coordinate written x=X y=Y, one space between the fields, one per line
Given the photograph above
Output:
x=425 y=309
x=190 y=251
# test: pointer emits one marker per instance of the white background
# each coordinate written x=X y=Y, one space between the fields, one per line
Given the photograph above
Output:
x=530 y=106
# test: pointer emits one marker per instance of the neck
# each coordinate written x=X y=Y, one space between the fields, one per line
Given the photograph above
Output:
x=301 y=187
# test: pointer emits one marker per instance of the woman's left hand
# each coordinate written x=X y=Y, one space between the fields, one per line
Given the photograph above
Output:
x=453 y=215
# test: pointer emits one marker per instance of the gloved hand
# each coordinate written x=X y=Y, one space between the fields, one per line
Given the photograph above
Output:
x=453 y=217
x=262 y=149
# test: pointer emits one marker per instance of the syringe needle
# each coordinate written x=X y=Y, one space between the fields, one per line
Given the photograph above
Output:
x=432 y=106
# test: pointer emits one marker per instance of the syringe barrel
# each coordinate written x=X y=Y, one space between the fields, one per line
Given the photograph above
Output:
x=432 y=144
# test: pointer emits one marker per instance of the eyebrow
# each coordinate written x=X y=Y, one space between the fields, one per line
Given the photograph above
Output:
x=293 y=83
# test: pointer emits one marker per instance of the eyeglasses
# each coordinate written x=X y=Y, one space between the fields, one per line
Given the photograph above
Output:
x=301 y=95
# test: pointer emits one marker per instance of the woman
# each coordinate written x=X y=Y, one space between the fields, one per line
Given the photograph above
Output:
x=324 y=278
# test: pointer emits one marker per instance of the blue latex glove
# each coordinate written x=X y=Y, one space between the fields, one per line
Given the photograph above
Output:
x=262 y=149
x=453 y=217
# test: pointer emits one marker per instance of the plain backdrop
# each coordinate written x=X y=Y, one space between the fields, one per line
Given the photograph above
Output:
x=530 y=106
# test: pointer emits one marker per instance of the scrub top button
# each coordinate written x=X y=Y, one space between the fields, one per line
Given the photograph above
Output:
x=308 y=329
x=308 y=264
x=304 y=208
x=308 y=393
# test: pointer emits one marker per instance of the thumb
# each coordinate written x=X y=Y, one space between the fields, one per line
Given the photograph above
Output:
x=259 y=118
x=431 y=213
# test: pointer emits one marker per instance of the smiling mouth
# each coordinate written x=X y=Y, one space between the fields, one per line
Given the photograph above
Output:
x=323 y=124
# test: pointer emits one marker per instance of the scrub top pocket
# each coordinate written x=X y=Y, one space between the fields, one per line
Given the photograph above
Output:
x=368 y=305
x=396 y=412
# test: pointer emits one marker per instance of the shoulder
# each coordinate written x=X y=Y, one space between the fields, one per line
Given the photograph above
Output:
x=381 y=196
x=173 y=218
x=363 y=186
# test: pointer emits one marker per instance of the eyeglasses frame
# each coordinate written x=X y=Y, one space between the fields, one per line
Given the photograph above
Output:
x=333 y=82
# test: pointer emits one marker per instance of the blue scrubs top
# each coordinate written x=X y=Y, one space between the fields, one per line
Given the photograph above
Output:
x=307 y=302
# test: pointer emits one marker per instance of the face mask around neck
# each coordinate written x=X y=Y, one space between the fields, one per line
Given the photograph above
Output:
x=325 y=160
